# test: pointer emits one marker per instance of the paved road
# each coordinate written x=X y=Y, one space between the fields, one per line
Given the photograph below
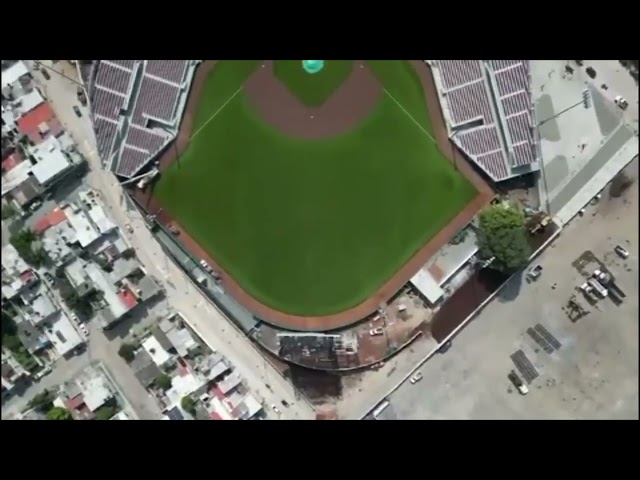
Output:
x=213 y=327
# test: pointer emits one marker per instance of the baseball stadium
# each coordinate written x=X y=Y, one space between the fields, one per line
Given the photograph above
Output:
x=312 y=191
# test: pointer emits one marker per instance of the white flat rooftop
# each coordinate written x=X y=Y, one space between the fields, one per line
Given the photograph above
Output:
x=63 y=335
x=157 y=353
x=427 y=286
x=13 y=73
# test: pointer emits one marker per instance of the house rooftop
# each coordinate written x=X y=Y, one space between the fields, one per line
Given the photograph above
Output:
x=12 y=262
x=27 y=102
x=229 y=383
x=116 y=307
x=39 y=123
x=52 y=161
x=95 y=388
x=40 y=307
x=63 y=335
x=157 y=353
x=12 y=160
x=84 y=229
x=182 y=386
x=12 y=74
x=54 y=217
x=182 y=340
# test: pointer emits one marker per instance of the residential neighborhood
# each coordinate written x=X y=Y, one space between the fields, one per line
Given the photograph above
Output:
x=70 y=278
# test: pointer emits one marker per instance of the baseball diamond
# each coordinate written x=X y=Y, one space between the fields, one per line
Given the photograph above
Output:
x=314 y=200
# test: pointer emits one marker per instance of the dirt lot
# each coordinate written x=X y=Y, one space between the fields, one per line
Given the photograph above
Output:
x=593 y=375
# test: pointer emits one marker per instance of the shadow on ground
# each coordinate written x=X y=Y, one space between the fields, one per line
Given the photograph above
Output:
x=512 y=289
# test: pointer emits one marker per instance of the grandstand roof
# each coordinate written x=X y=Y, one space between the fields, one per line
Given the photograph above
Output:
x=139 y=90
x=487 y=103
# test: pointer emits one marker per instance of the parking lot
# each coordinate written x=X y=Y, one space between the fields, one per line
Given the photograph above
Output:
x=594 y=373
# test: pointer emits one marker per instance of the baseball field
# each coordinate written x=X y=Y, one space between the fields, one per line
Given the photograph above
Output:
x=315 y=224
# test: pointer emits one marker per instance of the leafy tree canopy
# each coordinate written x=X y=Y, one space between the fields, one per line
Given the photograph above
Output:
x=59 y=413
x=503 y=235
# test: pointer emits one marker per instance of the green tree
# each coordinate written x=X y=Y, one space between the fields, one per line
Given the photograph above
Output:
x=8 y=211
x=42 y=401
x=163 y=381
x=503 y=235
x=25 y=243
x=127 y=352
x=188 y=405
x=105 y=412
x=59 y=413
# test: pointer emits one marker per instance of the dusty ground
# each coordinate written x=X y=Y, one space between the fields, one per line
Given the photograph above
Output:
x=594 y=375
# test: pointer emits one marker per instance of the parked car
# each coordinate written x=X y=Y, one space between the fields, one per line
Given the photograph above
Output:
x=621 y=102
x=76 y=110
x=415 y=378
x=276 y=410
x=128 y=227
x=376 y=331
x=285 y=403
x=518 y=383
x=621 y=251
x=82 y=97
x=445 y=347
x=84 y=329
x=534 y=272
x=45 y=73
x=206 y=266
x=35 y=205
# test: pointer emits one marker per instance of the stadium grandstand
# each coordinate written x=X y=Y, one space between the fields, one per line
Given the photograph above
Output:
x=136 y=108
x=489 y=113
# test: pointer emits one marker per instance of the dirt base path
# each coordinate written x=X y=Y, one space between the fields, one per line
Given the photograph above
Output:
x=394 y=284
x=342 y=111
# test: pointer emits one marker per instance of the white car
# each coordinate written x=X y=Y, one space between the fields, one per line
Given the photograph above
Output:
x=276 y=409
x=621 y=102
x=376 y=331
x=621 y=251
x=416 y=378
x=84 y=329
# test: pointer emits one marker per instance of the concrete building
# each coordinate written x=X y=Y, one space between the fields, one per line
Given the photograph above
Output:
x=52 y=162
x=160 y=356
x=16 y=273
x=12 y=372
x=26 y=103
x=63 y=335
x=38 y=305
x=40 y=124
x=191 y=383
x=87 y=392
x=13 y=73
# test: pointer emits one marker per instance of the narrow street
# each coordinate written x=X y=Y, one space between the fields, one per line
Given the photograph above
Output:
x=213 y=327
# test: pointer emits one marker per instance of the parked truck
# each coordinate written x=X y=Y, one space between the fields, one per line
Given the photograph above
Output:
x=603 y=292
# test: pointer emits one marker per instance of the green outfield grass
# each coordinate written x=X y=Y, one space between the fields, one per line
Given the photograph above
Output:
x=312 y=227
x=312 y=89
